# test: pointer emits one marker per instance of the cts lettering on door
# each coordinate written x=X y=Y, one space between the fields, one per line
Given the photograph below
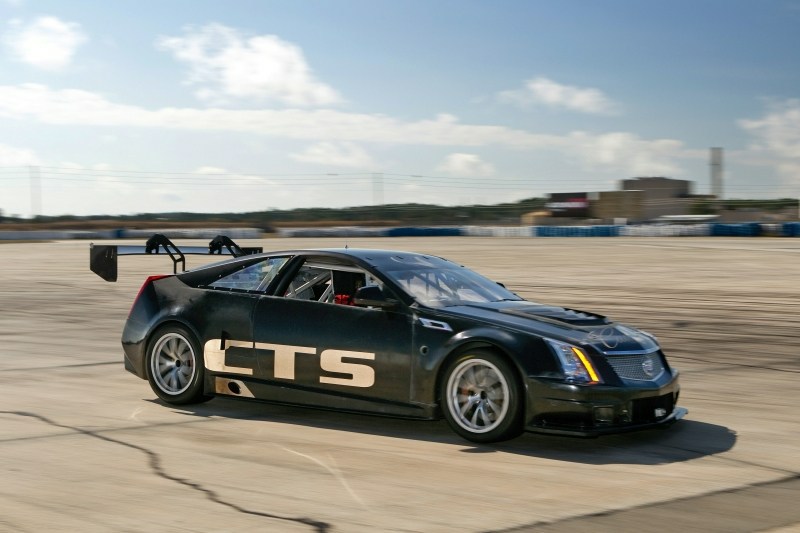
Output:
x=330 y=361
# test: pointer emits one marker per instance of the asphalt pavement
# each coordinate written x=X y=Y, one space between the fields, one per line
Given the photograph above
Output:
x=86 y=446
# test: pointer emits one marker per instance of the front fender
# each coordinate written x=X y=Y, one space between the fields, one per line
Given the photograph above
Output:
x=435 y=349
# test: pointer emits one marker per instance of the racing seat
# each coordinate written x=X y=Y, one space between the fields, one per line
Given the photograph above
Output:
x=345 y=285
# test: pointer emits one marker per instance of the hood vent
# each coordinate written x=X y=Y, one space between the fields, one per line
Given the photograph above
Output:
x=559 y=314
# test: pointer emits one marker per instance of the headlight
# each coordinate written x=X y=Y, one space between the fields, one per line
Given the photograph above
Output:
x=574 y=363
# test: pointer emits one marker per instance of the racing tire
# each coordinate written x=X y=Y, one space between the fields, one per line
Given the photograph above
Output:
x=175 y=366
x=481 y=397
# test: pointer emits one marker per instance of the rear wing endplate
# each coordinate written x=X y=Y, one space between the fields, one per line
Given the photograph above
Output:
x=103 y=257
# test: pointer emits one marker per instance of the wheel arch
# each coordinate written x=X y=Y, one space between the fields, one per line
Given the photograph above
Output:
x=476 y=344
x=196 y=390
x=172 y=321
x=504 y=420
x=166 y=322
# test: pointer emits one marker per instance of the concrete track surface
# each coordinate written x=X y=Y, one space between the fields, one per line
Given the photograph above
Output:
x=85 y=446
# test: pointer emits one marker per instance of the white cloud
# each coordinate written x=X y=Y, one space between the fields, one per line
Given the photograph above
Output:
x=616 y=151
x=465 y=165
x=778 y=131
x=548 y=93
x=207 y=170
x=11 y=156
x=78 y=107
x=220 y=175
x=115 y=191
x=343 y=154
x=621 y=151
x=47 y=43
x=777 y=137
x=225 y=63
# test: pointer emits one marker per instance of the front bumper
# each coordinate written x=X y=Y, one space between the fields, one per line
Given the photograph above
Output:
x=593 y=410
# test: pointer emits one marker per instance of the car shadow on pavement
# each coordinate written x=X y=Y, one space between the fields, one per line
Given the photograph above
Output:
x=685 y=440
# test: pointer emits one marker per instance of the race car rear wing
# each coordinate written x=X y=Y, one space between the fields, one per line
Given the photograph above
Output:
x=103 y=257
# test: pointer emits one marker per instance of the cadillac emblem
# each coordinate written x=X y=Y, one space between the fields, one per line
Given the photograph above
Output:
x=648 y=366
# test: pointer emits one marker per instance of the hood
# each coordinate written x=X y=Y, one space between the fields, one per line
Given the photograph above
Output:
x=560 y=323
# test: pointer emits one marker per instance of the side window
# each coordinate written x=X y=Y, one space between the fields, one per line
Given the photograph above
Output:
x=255 y=277
x=310 y=283
x=328 y=283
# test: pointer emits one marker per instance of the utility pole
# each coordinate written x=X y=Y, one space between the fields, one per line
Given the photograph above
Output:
x=377 y=192
x=377 y=188
x=36 y=191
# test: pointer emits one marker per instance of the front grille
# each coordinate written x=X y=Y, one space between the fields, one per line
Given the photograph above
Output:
x=652 y=409
x=640 y=367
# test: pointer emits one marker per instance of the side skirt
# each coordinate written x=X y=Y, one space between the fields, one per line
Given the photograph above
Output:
x=281 y=393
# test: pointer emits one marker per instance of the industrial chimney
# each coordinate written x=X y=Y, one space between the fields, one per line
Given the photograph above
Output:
x=716 y=172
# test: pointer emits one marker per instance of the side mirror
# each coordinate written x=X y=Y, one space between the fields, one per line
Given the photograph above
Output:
x=372 y=296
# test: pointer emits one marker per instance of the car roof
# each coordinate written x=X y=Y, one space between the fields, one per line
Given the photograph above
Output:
x=376 y=258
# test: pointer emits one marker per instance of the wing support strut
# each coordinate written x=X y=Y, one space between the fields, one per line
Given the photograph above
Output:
x=103 y=258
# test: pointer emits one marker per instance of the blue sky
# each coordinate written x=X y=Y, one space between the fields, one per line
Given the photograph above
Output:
x=128 y=107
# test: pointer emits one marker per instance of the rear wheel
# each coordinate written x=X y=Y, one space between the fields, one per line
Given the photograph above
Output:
x=481 y=397
x=175 y=366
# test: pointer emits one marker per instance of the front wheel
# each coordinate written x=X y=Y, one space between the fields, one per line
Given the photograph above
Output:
x=481 y=397
x=175 y=366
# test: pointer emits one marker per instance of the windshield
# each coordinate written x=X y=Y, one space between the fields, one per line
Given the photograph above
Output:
x=441 y=287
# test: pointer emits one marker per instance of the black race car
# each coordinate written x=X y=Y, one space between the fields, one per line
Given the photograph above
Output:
x=387 y=332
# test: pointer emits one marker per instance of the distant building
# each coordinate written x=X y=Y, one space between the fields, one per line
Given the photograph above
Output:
x=661 y=196
x=614 y=205
x=569 y=204
x=653 y=199
x=659 y=188
x=638 y=200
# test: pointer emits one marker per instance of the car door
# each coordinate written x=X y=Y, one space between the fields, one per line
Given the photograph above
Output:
x=225 y=317
x=325 y=351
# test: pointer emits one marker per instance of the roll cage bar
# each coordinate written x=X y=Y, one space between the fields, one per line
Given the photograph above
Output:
x=103 y=257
